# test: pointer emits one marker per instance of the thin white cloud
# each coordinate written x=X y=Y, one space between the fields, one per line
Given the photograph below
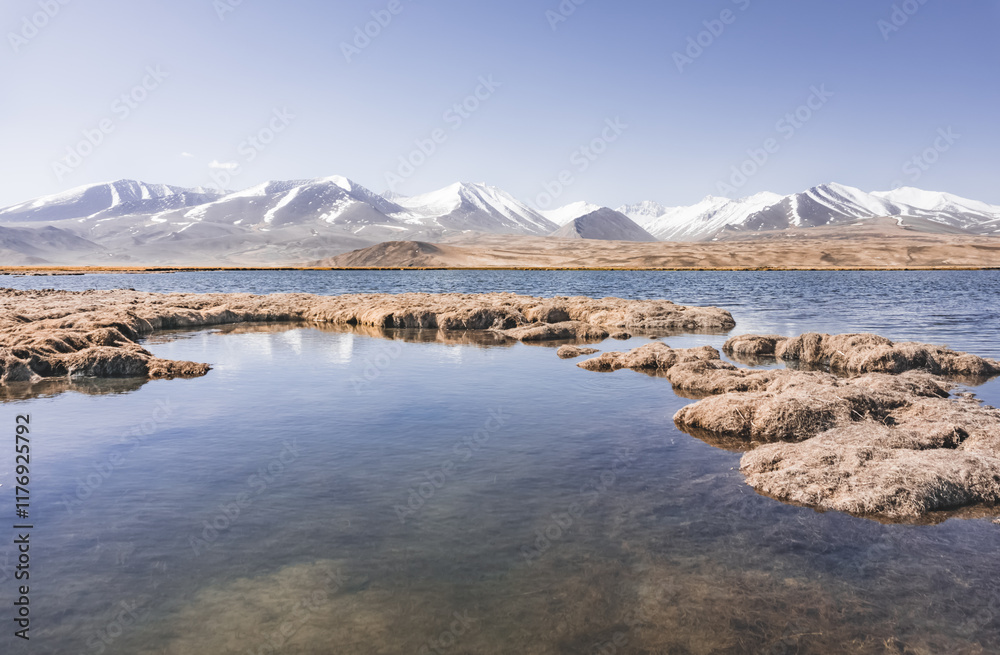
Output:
x=186 y=154
x=224 y=165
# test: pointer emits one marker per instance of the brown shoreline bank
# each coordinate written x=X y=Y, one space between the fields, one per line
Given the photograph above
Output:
x=49 y=271
x=58 y=334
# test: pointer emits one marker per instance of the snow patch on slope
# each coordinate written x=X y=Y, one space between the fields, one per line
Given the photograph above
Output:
x=564 y=215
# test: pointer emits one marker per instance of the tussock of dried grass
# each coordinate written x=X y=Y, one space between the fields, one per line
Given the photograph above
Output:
x=752 y=345
x=698 y=371
x=795 y=405
x=861 y=353
x=569 y=330
x=652 y=356
x=894 y=446
x=922 y=464
x=572 y=352
x=717 y=377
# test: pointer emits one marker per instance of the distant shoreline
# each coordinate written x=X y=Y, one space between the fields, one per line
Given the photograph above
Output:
x=58 y=271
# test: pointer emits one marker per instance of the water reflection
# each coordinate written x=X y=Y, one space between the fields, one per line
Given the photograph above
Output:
x=586 y=522
x=48 y=388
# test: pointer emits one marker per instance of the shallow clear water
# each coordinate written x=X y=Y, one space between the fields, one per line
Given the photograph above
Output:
x=332 y=492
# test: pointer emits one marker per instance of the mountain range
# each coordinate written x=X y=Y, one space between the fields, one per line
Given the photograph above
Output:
x=288 y=222
x=828 y=204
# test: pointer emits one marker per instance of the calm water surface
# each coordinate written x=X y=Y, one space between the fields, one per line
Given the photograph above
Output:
x=331 y=491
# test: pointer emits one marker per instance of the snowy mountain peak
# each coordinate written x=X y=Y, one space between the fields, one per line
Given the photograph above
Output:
x=644 y=212
x=933 y=200
x=834 y=191
x=339 y=180
x=333 y=200
x=133 y=213
x=834 y=187
x=762 y=197
x=469 y=206
x=106 y=200
x=267 y=188
x=564 y=215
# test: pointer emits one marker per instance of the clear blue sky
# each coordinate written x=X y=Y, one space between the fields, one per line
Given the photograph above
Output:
x=558 y=86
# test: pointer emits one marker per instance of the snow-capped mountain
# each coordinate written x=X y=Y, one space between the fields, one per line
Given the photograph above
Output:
x=135 y=221
x=303 y=220
x=133 y=207
x=333 y=201
x=476 y=207
x=108 y=200
x=701 y=220
x=326 y=208
x=828 y=204
x=942 y=207
x=835 y=204
x=645 y=213
x=823 y=205
x=564 y=215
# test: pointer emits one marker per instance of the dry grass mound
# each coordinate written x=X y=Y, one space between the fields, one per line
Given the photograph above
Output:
x=566 y=331
x=652 y=356
x=795 y=406
x=694 y=371
x=933 y=455
x=711 y=378
x=752 y=346
x=854 y=354
x=572 y=352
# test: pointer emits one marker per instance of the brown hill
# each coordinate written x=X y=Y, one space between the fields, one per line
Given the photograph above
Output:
x=417 y=254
